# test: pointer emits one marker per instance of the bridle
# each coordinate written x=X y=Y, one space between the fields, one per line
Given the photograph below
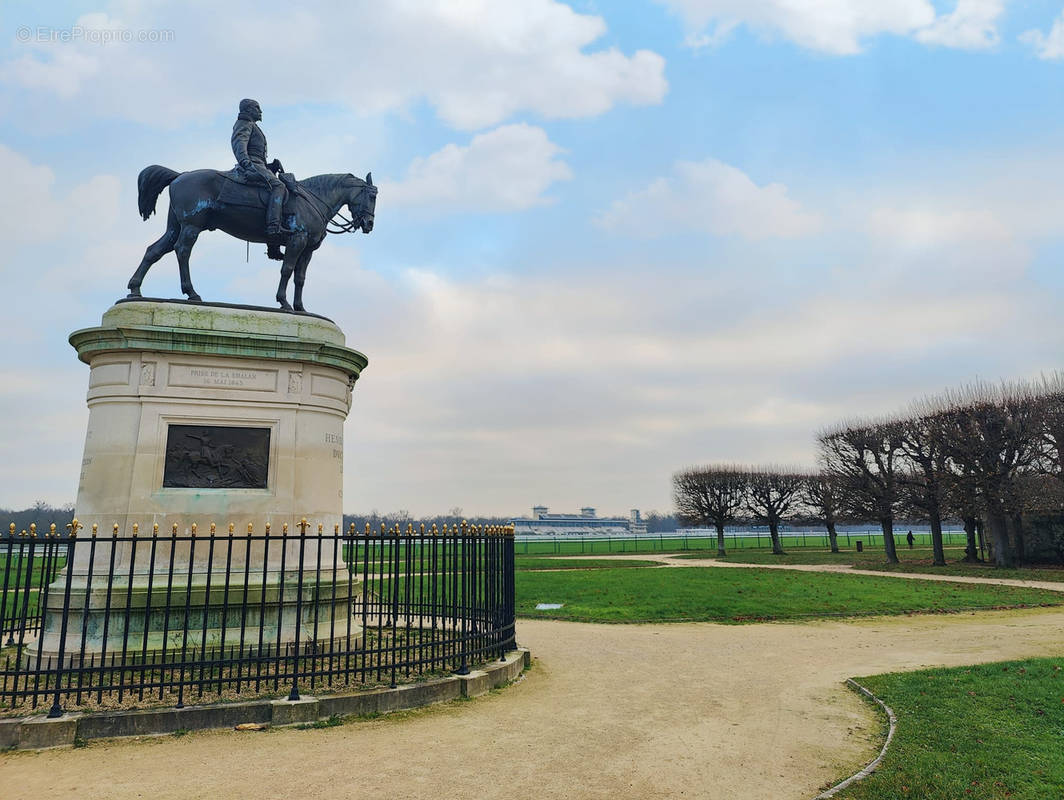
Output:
x=345 y=225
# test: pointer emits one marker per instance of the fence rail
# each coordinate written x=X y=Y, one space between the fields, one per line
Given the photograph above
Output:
x=699 y=539
x=121 y=620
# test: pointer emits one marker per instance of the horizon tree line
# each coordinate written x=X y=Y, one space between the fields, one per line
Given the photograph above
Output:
x=988 y=455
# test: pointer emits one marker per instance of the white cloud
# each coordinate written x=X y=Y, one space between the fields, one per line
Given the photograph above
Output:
x=971 y=26
x=928 y=226
x=36 y=211
x=841 y=27
x=477 y=62
x=506 y=169
x=1049 y=47
x=711 y=197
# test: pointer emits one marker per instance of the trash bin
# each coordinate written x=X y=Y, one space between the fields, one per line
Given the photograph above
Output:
x=860 y=546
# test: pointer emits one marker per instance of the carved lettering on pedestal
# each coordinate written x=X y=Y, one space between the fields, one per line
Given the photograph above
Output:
x=216 y=457
x=223 y=377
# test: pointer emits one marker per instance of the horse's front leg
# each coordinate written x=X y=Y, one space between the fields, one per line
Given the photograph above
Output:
x=292 y=251
x=282 y=286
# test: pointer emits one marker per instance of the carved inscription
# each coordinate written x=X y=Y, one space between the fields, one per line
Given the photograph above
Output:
x=216 y=457
x=223 y=377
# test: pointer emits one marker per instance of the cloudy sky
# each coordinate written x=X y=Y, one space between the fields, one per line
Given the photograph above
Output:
x=613 y=238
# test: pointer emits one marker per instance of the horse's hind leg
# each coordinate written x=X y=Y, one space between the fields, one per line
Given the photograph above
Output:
x=300 y=278
x=183 y=247
x=163 y=245
x=293 y=252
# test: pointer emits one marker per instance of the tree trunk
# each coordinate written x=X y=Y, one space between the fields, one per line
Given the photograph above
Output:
x=720 y=541
x=887 y=524
x=936 y=539
x=999 y=536
x=984 y=548
x=1017 y=537
x=971 y=549
x=774 y=532
x=833 y=536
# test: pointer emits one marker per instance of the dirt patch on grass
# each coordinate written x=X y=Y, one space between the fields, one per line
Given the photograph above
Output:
x=682 y=710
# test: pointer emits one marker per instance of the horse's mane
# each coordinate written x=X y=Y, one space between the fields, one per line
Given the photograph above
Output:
x=319 y=183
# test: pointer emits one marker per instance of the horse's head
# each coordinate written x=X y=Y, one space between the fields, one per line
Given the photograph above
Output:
x=362 y=202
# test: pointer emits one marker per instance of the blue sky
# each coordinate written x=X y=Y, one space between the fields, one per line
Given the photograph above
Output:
x=613 y=239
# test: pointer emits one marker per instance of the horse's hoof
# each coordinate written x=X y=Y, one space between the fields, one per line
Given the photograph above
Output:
x=284 y=305
x=195 y=298
x=299 y=307
x=133 y=293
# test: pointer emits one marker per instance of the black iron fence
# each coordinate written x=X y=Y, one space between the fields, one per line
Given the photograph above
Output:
x=117 y=620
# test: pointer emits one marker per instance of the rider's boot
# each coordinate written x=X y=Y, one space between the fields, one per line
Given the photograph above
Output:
x=273 y=251
x=274 y=228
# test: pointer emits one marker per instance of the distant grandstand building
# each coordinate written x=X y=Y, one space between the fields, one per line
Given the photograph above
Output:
x=586 y=523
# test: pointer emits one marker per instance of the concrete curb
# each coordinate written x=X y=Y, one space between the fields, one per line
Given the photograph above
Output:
x=871 y=766
x=40 y=733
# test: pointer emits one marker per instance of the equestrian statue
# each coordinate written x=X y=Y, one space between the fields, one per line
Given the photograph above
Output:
x=254 y=201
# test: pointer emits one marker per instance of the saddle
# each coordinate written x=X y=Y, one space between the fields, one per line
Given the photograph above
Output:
x=237 y=190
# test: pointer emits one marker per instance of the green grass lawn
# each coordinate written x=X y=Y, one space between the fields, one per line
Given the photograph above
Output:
x=918 y=559
x=726 y=595
x=984 y=732
x=522 y=563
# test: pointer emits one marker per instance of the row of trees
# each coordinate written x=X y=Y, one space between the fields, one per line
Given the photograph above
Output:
x=990 y=456
x=723 y=494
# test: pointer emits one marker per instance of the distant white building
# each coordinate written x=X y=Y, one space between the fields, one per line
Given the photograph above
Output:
x=586 y=523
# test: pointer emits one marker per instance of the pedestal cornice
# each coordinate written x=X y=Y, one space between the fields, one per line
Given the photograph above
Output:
x=218 y=331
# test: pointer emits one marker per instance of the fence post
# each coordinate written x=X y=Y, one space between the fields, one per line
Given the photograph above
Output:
x=294 y=694
x=57 y=710
x=463 y=668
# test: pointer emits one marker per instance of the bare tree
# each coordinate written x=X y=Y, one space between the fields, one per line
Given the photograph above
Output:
x=710 y=495
x=865 y=460
x=821 y=494
x=995 y=435
x=1051 y=398
x=961 y=500
x=771 y=495
x=923 y=443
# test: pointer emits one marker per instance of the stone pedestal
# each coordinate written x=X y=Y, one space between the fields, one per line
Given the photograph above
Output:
x=198 y=414
x=179 y=382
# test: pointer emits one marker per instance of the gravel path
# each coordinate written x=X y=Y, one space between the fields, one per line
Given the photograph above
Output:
x=609 y=711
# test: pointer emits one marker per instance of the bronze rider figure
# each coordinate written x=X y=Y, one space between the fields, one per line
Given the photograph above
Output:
x=249 y=147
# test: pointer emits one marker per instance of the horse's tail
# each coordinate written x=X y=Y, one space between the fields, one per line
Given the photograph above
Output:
x=150 y=184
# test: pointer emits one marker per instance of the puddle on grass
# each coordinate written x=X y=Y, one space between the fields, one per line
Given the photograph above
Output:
x=548 y=606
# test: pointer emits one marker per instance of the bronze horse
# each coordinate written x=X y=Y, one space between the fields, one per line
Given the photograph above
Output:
x=206 y=199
